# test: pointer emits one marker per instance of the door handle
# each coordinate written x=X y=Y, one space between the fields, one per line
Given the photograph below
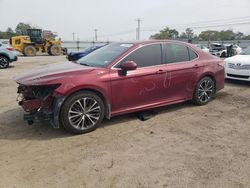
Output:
x=196 y=66
x=161 y=71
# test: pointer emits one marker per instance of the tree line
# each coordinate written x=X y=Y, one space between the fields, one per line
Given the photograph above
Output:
x=166 y=33
x=208 y=35
x=21 y=29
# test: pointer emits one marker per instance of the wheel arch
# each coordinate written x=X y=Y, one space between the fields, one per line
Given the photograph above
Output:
x=207 y=74
x=5 y=55
x=100 y=94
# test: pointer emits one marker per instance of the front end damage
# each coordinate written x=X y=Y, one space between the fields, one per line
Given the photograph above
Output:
x=40 y=102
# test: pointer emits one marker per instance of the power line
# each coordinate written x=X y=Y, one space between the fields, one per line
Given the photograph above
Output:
x=217 y=20
x=117 y=34
x=194 y=25
x=202 y=27
x=201 y=24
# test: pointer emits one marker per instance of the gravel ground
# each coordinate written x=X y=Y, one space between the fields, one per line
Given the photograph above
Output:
x=183 y=146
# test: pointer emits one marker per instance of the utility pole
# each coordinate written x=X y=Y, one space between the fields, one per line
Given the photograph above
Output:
x=73 y=35
x=136 y=33
x=138 y=28
x=95 y=34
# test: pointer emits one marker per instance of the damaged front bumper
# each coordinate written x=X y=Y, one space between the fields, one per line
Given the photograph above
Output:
x=40 y=103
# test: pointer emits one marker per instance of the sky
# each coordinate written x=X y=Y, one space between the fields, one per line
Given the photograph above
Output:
x=115 y=20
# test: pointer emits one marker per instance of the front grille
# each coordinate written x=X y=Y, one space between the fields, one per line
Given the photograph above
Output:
x=238 y=66
x=238 y=76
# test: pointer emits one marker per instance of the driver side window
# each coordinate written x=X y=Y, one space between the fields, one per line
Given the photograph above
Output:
x=145 y=56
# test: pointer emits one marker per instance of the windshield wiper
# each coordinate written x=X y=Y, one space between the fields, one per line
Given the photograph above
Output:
x=85 y=64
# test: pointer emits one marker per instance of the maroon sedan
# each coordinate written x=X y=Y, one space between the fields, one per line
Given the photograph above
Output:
x=117 y=79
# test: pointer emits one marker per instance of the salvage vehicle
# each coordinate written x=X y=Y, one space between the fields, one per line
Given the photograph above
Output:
x=219 y=50
x=119 y=78
x=238 y=67
x=7 y=56
x=74 y=56
x=224 y=50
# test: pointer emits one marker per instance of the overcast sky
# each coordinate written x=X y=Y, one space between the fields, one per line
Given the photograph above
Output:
x=113 y=18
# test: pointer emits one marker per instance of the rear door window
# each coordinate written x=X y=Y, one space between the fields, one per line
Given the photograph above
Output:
x=192 y=54
x=176 y=53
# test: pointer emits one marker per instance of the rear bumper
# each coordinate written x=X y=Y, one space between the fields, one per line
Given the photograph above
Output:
x=220 y=79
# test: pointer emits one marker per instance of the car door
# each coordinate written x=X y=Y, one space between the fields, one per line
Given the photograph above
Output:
x=182 y=71
x=140 y=87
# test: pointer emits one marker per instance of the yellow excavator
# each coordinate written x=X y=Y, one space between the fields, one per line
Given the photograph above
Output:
x=37 y=41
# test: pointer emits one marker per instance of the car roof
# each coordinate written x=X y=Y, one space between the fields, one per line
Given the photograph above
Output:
x=143 y=42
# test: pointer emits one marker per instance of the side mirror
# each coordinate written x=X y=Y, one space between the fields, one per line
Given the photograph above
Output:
x=127 y=66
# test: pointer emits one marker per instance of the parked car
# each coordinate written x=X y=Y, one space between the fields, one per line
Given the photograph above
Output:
x=119 y=78
x=203 y=48
x=74 y=56
x=224 y=50
x=238 y=67
x=219 y=50
x=237 y=49
x=7 y=55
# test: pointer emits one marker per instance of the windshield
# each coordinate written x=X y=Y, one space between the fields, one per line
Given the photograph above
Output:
x=246 y=51
x=105 y=55
x=89 y=49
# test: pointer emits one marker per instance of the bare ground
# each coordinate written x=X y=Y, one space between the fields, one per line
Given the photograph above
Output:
x=183 y=146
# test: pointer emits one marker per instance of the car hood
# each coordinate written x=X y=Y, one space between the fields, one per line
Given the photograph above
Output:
x=78 y=53
x=243 y=59
x=50 y=73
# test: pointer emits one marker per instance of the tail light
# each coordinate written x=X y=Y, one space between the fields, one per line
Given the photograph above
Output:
x=10 y=49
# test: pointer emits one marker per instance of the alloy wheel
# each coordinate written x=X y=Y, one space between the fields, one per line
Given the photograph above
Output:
x=84 y=113
x=3 y=62
x=205 y=90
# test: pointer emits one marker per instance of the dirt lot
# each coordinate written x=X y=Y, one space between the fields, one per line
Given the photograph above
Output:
x=183 y=146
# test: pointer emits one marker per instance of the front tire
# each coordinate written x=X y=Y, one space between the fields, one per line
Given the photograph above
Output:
x=223 y=54
x=82 y=112
x=204 y=91
x=55 y=50
x=29 y=50
x=4 y=62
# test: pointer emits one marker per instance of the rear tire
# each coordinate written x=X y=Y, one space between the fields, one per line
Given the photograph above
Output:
x=82 y=112
x=29 y=51
x=4 y=62
x=204 y=91
x=55 y=50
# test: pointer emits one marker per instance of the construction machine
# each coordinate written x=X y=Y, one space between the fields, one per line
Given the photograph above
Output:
x=37 y=41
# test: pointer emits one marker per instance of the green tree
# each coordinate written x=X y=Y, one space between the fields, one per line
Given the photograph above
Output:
x=7 y=34
x=9 y=30
x=227 y=35
x=209 y=35
x=21 y=28
x=166 y=33
x=246 y=37
x=183 y=35
x=239 y=36
x=189 y=33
